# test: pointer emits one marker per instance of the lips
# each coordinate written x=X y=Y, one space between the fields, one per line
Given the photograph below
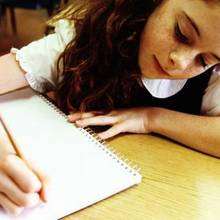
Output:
x=158 y=66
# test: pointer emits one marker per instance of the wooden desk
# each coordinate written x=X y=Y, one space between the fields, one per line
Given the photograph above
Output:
x=178 y=184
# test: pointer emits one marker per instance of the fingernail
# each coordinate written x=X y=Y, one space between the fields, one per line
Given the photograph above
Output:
x=100 y=136
x=34 y=200
x=69 y=117
x=79 y=123
x=16 y=212
x=44 y=196
x=37 y=199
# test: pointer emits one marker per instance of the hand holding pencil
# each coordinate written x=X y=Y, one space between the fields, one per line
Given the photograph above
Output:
x=22 y=184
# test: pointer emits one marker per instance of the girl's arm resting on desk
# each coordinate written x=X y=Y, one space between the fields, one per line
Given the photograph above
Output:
x=11 y=75
x=198 y=132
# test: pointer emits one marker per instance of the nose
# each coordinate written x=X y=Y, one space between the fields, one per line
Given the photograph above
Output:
x=180 y=61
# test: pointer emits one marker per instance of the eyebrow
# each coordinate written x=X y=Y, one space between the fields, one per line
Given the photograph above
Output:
x=192 y=22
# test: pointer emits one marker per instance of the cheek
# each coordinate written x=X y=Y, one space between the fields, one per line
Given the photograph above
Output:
x=157 y=39
x=194 y=71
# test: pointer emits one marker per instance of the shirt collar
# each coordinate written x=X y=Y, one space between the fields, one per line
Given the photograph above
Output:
x=163 y=88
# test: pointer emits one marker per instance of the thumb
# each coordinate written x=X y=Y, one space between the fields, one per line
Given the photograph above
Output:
x=45 y=181
x=42 y=176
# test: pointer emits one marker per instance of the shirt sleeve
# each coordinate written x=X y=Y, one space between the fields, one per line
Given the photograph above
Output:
x=211 y=98
x=39 y=58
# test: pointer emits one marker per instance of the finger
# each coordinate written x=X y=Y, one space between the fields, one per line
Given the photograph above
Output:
x=8 y=187
x=21 y=174
x=75 y=116
x=45 y=181
x=116 y=129
x=113 y=113
x=9 y=206
x=98 y=120
x=42 y=177
x=92 y=114
x=80 y=115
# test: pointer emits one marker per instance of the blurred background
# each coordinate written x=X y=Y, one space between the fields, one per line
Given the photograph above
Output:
x=22 y=21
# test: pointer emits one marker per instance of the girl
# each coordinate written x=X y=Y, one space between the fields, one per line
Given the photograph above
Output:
x=138 y=66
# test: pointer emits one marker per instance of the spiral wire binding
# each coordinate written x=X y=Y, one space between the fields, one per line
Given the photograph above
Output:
x=102 y=144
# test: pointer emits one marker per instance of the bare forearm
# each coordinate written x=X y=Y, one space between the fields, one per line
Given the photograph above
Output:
x=11 y=75
x=11 y=78
x=199 y=132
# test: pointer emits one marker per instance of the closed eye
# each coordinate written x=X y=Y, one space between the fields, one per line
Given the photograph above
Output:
x=202 y=62
x=180 y=36
x=185 y=40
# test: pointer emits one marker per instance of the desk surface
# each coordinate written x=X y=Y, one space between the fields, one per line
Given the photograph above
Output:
x=177 y=183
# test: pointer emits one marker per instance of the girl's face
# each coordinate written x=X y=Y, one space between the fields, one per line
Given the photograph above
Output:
x=181 y=39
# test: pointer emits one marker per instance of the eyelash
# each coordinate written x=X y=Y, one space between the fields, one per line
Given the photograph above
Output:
x=185 y=40
x=202 y=61
x=180 y=36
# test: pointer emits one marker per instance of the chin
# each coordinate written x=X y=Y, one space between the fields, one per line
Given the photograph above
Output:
x=156 y=76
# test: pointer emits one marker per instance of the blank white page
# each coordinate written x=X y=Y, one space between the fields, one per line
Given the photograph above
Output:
x=83 y=170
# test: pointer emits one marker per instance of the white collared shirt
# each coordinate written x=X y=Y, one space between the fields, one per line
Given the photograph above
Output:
x=163 y=88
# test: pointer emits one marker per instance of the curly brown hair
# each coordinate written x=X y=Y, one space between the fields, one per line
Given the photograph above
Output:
x=100 y=65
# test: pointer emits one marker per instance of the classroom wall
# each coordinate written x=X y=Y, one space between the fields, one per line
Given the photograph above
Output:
x=30 y=26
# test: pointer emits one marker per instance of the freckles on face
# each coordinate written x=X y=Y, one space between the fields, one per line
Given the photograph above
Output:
x=171 y=47
x=153 y=41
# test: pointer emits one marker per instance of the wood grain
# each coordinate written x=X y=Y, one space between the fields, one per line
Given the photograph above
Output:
x=178 y=183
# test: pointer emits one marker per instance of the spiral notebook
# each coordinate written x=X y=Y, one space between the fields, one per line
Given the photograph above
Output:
x=84 y=169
